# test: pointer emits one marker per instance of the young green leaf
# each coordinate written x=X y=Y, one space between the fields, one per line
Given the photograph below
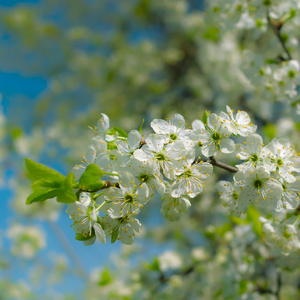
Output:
x=114 y=235
x=121 y=132
x=141 y=127
x=205 y=116
x=94 y=187
x=36 y=171
x=46 y=183
x=42 y=195
x=91 y=175
x=66 y=193
x=106 y=277
x=80 y=237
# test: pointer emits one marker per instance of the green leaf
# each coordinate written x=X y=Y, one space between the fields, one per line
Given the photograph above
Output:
x=114 y=234
x=222 y=230
x=66 y=193
x=154 y=266
x=46 y=183
x=16 y=132
x=112 y=145
x=42 y=195
x=106 y=277
x=212 y=33
x=297 y=125
x=141 y=127
x=237 y=220
x=90 y=176
x=270 y=131
x=243 y=286
x=205 y=116
x=253 y=216
x=121 y=132
x=95 y=187
x=36 y=171
x=270 y=61
x=80 y=237
x=111 y=131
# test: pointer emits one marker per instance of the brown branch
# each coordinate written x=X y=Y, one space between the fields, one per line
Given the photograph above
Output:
x=276 y=27
x=279 y=283
x=219 y=164
x=109 y=184
x=211 y=160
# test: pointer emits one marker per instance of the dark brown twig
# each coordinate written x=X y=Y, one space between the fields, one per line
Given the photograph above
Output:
x=276 y=27
x=221 y=165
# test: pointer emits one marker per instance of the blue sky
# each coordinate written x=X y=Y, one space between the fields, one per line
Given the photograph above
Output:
x=13 y=85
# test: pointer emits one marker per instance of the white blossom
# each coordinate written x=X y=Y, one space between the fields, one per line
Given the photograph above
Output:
x=173 y=130
x=215 y=135
x=167 y=157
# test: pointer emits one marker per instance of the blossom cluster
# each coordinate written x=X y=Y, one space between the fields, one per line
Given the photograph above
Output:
x=174 y=161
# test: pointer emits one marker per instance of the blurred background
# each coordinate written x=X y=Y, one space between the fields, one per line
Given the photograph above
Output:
x=62 y=64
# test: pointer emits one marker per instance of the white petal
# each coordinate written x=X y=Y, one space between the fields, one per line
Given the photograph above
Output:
x=227 y=145
x=85 y=198
x=127 y=179
x=142 y=155
x=99 y=233
x=90 y=155
x=155 y=142
x=242 y=118
x=178 y=188
x=142 y=194
x=285 y=174
x=134 y=139
x=126 y=234
x=160 y=126
x=178 y=121
x=198 y=125
x=103 y=123
x=194 y=187
x=254 y=143
x=135 y=224
x=224 y=187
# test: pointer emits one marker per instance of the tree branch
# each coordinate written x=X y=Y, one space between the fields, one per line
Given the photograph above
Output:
x=221 y=165
x=276 y=26
x=278 y=287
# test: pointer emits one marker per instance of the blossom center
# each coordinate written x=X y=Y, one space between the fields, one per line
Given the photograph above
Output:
x=279 y=162
x=128 y=198
x=235 y=195
x=254 y=157
x=160 y=156
x=188 y=173
x=286 y=234
x=216 y=136
x=173 y=136
x=292 y=74
x=144 y=178
x=258 y=183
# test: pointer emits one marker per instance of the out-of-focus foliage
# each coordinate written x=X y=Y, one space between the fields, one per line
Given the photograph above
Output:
x=148 y=59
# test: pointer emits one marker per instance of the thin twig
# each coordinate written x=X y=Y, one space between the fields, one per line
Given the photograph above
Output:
x=278 y=286
x=219 y=164
x=276 y=29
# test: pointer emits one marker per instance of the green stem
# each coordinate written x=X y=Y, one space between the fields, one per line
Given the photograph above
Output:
x=296 y=220
x=113 y=174
x=100 y=206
